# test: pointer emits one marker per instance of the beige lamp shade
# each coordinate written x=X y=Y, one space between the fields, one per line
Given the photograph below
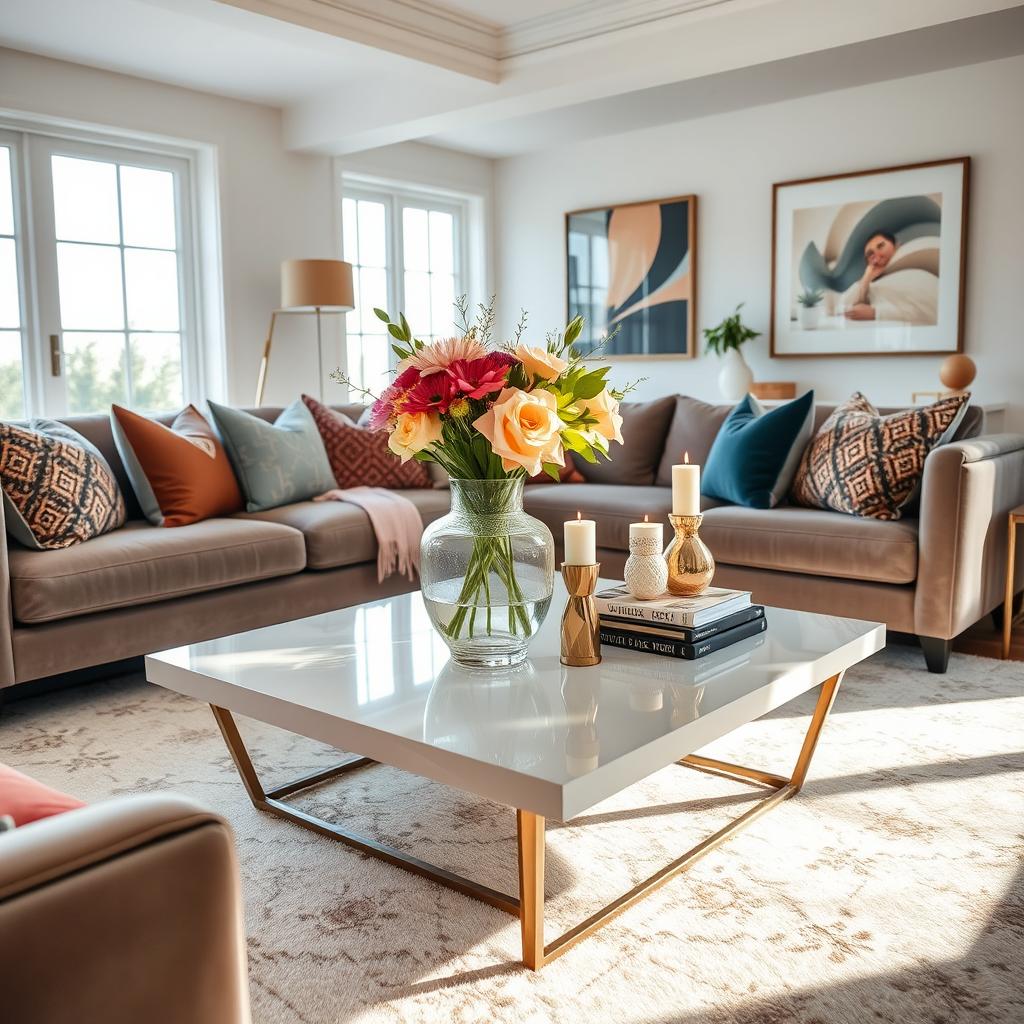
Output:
x=317 y=284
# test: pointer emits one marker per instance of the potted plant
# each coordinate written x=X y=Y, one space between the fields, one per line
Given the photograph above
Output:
x=725 y=340
x=810 y=308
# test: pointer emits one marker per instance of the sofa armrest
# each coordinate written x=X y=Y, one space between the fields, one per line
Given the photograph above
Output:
x=968 y=488
x=124 y=911
x=7 y=677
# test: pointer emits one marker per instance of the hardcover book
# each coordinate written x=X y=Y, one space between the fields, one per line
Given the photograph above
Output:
x=713 y=604
x=691 y=634
x=652 y=643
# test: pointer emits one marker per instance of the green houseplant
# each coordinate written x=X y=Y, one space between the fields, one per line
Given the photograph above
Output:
x=725 y=340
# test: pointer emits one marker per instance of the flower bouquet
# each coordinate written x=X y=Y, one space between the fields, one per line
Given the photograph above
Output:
x=491 y=415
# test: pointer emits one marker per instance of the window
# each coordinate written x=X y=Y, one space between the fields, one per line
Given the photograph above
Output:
x=407 y=253
x=108 y=284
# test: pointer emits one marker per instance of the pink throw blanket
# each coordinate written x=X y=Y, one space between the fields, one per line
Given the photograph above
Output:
x=396 y=522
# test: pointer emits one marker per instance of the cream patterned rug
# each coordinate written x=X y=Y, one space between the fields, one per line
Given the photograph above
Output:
x=889 y=890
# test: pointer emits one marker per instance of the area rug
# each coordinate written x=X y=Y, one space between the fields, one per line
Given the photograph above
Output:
x=891 y=889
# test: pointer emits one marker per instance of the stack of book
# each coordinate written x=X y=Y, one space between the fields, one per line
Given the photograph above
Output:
x=678 y=627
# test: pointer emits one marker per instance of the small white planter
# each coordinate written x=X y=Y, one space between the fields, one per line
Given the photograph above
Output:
x=735 y=377
x=810 y=317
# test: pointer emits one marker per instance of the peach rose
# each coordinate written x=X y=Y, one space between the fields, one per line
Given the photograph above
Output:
x=539 y=362
x=524 y=429
x=413 y=432
x=605 y=410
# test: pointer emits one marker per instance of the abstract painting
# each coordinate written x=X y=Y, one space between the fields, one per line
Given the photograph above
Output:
x=871 y=263
x=631 y=269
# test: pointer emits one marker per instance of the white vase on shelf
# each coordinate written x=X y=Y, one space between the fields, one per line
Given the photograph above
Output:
x=735 y=377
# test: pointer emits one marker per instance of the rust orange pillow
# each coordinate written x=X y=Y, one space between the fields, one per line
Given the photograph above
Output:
x=181 y=473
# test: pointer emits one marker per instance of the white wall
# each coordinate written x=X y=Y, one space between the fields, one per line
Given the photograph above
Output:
x=730 y=162
x=274 y=205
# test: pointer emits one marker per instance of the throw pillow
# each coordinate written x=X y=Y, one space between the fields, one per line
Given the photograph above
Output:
x=179 y=473
x=644 y=426
x=58 y=490
x=25 y=800
x=757 y=451
x=362 y=457
x=871 y=465
x=275 y=463
x=695 y=425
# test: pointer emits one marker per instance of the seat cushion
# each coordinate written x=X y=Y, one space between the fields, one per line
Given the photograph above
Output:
x=25 y=800
x=338 y=533
x=792 y=539
x=141 y=563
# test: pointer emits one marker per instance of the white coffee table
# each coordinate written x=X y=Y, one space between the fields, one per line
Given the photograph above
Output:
x=546 y=740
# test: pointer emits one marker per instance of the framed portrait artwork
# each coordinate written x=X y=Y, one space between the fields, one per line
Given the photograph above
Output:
x=871 y=263
x=632 y=269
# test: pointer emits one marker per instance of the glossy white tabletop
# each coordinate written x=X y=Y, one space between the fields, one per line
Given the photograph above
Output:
x=377 y=680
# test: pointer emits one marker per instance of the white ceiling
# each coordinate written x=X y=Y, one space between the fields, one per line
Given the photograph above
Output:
x=505 y=76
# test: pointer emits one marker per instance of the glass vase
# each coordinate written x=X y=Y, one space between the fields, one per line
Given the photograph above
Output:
x=487 y=572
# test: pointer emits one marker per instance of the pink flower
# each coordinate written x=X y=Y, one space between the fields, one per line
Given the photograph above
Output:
x=433 y=393
x=385 y=409
x=476 y=378
x=441 y=354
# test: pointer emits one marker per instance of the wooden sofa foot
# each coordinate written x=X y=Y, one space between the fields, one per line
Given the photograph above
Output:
x=936 y=653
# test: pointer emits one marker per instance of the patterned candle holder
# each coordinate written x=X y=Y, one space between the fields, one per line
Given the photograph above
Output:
x=646 y=571
x=581 y=638
x=690 y=565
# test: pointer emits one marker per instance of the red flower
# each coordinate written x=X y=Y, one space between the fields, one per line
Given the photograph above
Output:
x=432 y=393
x=476 y=378
x=386 y=408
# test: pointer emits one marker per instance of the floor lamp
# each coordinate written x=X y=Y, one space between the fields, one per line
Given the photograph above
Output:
x=309 y=288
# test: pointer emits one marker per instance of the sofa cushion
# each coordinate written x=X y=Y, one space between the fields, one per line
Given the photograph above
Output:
x=26 y=800
x=635 y=461
x=338 y=533
x=803 y=540
x=276 y=463
x=695 y=425
x=141 y=563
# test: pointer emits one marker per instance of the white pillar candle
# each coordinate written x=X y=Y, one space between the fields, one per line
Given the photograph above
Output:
x=652 y=531
x=686 y=489
x=580 y=541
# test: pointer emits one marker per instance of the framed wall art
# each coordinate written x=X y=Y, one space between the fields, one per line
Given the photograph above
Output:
x=632 y=267
x=871 y=263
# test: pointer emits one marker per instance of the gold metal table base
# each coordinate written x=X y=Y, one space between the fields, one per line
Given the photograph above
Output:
x=529 y=906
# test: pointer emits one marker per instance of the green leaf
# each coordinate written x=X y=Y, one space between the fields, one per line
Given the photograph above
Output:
x=572 y=331
x=402 y=353
x=591 y=385
x=552 y=470
x=405 y=326
x=396 y=332
x=380 y=314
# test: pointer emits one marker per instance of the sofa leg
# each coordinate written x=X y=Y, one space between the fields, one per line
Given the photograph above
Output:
x=936 y=653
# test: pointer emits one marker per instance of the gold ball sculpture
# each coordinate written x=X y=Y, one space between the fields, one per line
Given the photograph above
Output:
x=957 y=372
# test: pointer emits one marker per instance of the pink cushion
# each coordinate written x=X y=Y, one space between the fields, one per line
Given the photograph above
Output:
x=26 y=800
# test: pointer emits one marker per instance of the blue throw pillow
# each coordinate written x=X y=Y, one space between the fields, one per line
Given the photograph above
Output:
x=757 y=452
x=276 y=463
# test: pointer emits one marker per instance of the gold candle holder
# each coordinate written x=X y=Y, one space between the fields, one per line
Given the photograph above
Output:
x=581 y=638
x=690 y=565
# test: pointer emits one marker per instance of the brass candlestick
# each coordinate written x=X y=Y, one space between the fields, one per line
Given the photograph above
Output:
x=690 y=565
x=581 y=640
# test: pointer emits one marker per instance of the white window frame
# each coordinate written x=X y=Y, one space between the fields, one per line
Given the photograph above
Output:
x=201 y=323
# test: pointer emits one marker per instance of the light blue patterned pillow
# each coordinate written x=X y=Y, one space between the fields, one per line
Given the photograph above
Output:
x=276 y=463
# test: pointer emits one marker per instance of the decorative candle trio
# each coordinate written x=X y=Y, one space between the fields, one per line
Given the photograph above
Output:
x=685 y=569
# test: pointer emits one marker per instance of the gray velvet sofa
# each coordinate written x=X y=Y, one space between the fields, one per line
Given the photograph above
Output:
x=144 y=588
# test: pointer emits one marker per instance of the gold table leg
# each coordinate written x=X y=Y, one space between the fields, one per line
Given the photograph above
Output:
x=529 y=907
x=1015 y=521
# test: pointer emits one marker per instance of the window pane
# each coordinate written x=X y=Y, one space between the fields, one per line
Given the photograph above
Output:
x=94 y=371
x=12 y=390
x=354 y=359
x=417 y=302
x=442 y=226
x=151 y=283
x=414 y=238
x=373 y=292
x=156 y=371
x=372 y=234
x=147 y=207
x=85 y=200
x=376 y=362
x=6 y=193
x=89 y=279
x=9 y=307
x=348 y=230
x=442 y=304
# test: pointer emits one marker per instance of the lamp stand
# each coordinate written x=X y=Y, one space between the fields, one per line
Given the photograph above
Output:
x=261 y=380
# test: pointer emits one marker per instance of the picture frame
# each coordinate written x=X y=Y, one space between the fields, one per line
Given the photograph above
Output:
x=634 y=266
x=871 y=262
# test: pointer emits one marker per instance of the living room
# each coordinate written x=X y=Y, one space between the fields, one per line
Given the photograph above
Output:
x=293 y=492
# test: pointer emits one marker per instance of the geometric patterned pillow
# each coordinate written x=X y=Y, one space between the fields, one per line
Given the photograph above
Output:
x=361 y=457
x=57 y=488
x=871 y=465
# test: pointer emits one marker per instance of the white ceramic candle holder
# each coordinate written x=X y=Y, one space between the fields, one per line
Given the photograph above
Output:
x=646 y=572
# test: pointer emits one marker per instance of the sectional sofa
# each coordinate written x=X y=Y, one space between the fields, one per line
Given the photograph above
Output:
x=144 y=588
